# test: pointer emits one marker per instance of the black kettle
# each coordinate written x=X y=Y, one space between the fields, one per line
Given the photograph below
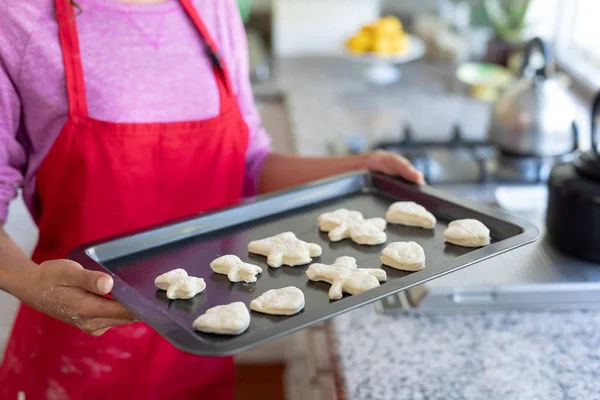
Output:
x=573 y=214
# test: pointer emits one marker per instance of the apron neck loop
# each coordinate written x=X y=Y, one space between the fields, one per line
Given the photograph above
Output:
x=69 y=40
x=212 y=50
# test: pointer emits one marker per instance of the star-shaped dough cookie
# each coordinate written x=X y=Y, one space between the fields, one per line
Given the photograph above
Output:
x=467 y=233
x=409 y=213
x=179 y=285
x=343 y=223
x=405 y=256
x=229 y=319
x=285 y=249
x=345 y=276
x=235 y=269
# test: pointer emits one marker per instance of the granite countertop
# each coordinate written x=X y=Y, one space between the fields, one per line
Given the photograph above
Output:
x=487 y=356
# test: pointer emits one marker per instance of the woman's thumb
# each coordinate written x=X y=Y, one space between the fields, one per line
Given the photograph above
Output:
x=93 y=281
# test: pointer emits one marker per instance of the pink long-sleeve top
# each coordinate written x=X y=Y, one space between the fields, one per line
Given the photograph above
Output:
x=141 y=64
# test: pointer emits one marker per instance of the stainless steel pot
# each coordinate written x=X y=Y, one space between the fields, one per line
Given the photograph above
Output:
x=535 y=116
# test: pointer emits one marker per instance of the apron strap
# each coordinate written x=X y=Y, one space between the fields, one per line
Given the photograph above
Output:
x=69 y=41
x=221 y=73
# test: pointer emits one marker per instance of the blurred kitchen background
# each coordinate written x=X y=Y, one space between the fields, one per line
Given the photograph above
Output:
x=463 y=101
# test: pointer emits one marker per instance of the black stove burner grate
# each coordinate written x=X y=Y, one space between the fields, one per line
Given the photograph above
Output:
x=480 y=161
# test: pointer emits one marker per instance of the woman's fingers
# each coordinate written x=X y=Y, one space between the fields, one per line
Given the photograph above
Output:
x=97 y=307
x=92 y=281
x=395 y=165
x=99 y=326
x=99 y=332
x=75 y=275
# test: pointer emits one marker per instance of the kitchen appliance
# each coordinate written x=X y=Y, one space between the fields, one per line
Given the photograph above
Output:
x=573 y=216
x=462 y=160
x=536 y=115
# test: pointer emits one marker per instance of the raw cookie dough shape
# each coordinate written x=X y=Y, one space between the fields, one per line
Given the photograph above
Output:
x=405 y=256
x=409 y=213
x=235 y=269
x=285 y=249
x=343 y=223
x=345 y=276
x=178 y=285
x=229 y=319
x=467 y=233
x=285 y=301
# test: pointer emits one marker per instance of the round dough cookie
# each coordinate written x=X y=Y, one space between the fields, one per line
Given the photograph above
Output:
x=285 y=301
x=405 y=256
x=409 y=213
x=467 y=233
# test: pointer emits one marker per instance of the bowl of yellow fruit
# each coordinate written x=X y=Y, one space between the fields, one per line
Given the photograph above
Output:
x=383 y=44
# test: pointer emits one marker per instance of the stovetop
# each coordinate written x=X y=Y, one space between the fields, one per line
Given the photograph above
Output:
x=462 y=161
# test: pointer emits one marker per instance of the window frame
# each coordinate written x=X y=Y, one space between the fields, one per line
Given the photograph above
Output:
x=585 y=74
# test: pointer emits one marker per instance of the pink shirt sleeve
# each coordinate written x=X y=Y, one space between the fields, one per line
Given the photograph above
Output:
x=237 y=60
x=12 y=154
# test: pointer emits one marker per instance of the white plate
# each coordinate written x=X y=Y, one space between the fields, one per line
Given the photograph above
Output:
x=382 y=70
x=415 y=51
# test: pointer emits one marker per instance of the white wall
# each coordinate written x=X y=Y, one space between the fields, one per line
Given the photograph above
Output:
x=321 y=26
x=318 y=26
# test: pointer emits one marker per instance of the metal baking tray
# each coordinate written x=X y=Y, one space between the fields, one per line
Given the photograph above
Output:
x=136 y=258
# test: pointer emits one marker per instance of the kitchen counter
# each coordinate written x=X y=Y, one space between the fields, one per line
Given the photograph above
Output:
x=329 y=101
x=488 y=356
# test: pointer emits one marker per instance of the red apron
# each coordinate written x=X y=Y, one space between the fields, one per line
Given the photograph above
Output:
x=103 y=178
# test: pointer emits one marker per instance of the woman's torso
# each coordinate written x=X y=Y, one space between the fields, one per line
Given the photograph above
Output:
x=142 y=63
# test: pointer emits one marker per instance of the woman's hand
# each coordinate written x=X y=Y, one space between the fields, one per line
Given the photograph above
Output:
x=392 y=164
x=64 y=290
x=281 y=171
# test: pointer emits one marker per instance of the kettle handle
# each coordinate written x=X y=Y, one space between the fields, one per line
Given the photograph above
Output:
x=595 y=121
x=541 y=46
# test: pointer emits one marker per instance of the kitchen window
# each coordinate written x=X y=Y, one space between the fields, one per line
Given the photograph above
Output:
x=578 y=41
